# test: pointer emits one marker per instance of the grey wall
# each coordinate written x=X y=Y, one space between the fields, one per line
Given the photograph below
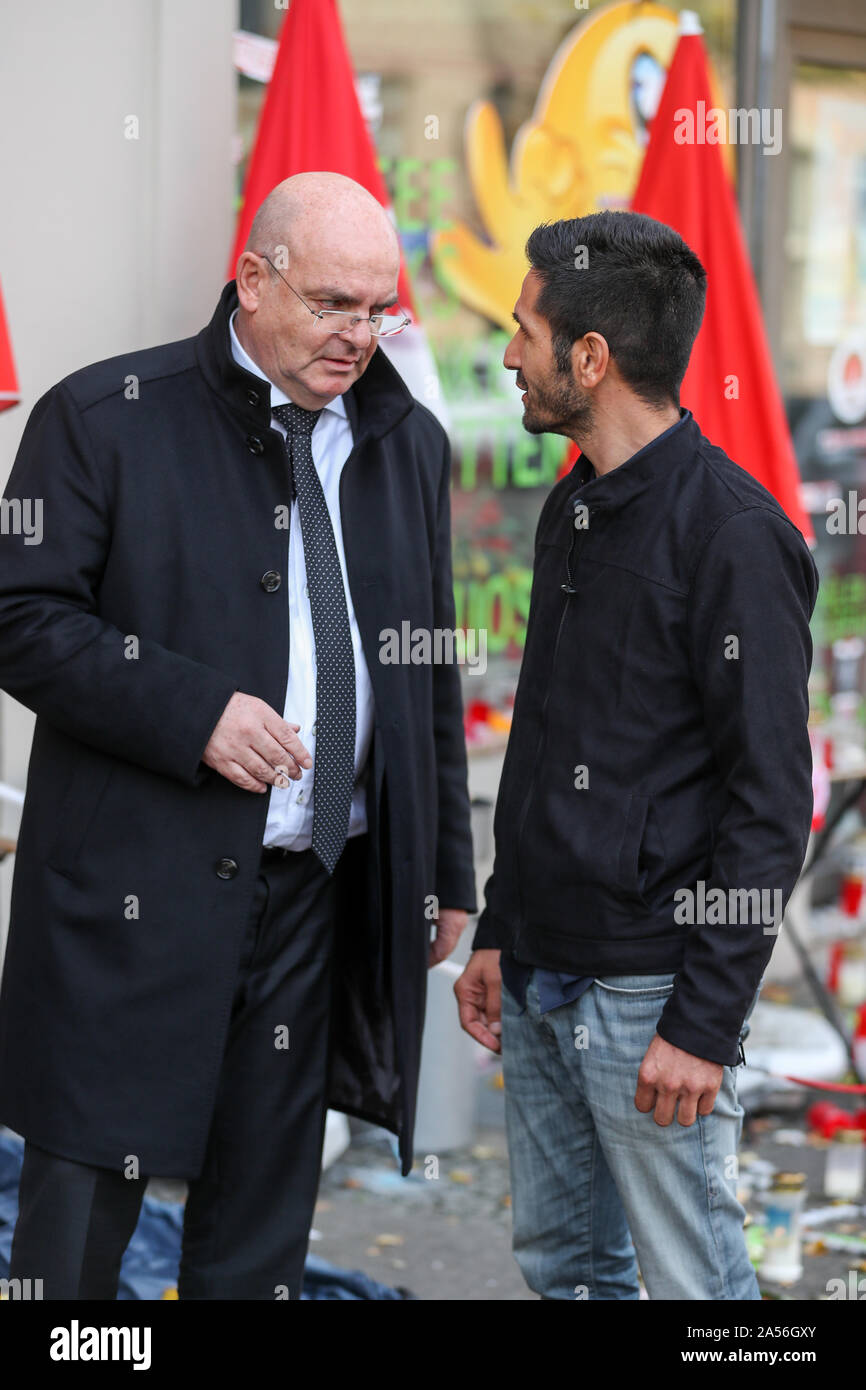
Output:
x=107 y=243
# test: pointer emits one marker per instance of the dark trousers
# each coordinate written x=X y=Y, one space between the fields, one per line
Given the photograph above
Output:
x=248 y=1214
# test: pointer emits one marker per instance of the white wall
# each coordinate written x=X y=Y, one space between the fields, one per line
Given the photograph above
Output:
x=106 y=243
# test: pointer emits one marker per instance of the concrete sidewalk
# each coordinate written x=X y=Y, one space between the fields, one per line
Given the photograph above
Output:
x=448 y=1237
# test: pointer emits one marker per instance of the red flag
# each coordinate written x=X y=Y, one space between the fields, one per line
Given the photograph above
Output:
x=311 y=119
x=730 y=385
x=9 y=393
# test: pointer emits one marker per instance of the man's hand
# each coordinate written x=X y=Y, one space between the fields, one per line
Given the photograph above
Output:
x=254 y=747
x=450 y=922
x=479 y=994
x=668 y=1075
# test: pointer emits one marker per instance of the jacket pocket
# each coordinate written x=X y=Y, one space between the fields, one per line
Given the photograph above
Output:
x=642 y=854
x=91 y=774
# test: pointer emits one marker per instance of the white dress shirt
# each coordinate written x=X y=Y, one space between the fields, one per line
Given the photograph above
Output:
x=290 y=809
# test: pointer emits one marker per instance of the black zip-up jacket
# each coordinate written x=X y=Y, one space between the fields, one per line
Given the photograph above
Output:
x=659 y=740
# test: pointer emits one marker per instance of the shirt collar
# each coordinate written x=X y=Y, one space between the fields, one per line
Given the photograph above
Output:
x=278 y=396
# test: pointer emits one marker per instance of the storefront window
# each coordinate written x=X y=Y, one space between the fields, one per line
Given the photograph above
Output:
x=823 y=357
x=490 y=117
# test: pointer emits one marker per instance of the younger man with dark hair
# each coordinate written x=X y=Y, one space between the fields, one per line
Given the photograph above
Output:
x=656 y=794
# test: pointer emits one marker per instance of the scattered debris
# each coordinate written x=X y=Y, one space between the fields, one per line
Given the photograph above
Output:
x=795 y=1137
x=839 y=1212
x=854 y=1245
x=485 y=1151
x=386 y=1182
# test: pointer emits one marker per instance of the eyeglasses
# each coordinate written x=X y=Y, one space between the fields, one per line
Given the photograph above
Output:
x=381 y=325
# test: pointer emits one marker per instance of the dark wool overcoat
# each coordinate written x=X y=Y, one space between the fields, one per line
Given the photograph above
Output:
x=148 y=601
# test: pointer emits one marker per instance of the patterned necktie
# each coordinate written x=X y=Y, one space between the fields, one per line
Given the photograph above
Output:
x=334 y=763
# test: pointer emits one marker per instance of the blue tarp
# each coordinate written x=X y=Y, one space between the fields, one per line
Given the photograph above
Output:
x=151 y=1261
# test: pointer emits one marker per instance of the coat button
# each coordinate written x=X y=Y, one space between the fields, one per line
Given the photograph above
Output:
x=253 y=397
x=270 y=581
x=254 y=444
x=226 y=868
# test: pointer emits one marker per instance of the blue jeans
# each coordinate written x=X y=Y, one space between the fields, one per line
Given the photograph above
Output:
x=598 y=1187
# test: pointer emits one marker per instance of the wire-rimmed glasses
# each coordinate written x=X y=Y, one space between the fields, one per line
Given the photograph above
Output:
x=381 y=325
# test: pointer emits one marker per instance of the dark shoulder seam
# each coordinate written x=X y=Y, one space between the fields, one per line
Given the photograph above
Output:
x=739 y=511
x=769 y=506
x=159 y=376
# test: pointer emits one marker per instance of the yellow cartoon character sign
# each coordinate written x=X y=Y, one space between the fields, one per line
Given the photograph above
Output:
x=580 y=151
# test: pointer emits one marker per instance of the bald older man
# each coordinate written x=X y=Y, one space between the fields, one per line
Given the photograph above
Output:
x=237 y=816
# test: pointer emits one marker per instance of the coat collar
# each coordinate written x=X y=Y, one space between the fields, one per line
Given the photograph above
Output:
x=611 y=490
x=278 y=397
x=377 y=402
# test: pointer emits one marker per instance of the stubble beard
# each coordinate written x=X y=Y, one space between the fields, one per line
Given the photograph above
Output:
x=559 y=407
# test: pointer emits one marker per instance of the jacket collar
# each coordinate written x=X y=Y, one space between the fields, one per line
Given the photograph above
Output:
x=380 y=399
x=611 y=490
